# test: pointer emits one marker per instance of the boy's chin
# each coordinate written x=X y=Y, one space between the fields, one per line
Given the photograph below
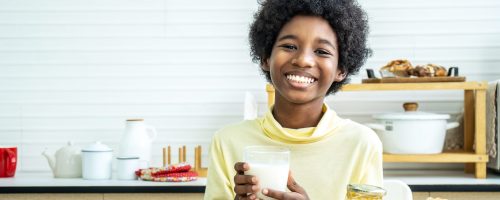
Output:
x=300 y=99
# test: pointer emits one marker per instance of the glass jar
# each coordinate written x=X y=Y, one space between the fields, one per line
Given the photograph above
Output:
x=364 y=192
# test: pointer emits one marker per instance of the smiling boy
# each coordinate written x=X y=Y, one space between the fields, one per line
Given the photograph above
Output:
x=307 y=49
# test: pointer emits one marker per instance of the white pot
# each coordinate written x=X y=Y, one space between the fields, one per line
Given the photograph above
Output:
x=412 y=132
x=96 y=161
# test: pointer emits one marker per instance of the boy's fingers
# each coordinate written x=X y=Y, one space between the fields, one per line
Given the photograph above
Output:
x=241 y=167
x=273 y=193
x=247 y=197
x=245 y=179
x=245 y=189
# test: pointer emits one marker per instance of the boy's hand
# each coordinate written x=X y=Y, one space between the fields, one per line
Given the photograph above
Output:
x=246 y=186
x=297 y=192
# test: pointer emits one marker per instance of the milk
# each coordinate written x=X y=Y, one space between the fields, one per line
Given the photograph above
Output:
x=273 y=176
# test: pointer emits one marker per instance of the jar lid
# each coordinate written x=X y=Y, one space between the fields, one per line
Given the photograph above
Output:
x=97 y=147
x=364 y=189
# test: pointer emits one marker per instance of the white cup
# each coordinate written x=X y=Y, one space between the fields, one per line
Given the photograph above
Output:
x=270 y=164
x=126 y=167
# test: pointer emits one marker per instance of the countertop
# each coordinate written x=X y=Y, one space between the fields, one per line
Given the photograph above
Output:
x=419 y=181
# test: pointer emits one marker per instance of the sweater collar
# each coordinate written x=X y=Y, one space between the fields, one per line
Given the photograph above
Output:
x=326 y=126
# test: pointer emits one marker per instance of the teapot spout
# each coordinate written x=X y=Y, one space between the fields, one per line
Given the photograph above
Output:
x=51 y=159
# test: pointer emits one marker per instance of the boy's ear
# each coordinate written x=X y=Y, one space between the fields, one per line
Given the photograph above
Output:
x=264 y=64
x=340 y=76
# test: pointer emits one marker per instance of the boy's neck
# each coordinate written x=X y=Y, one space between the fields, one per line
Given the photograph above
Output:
x=291 y=115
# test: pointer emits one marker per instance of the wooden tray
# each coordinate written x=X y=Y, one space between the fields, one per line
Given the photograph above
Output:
x=415 y=79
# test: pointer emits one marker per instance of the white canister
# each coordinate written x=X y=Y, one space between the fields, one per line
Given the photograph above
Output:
x=96 y=161
x=126 y=167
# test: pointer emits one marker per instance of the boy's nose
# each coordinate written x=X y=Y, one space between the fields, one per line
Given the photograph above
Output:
x=304 y=59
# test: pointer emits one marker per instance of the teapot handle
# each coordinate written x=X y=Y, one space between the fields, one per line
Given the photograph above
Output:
x=151 y=132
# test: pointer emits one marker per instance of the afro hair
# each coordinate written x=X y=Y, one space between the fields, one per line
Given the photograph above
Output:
x=346 y=18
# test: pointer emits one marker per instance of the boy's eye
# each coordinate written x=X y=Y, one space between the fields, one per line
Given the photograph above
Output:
x=322 y=52
x=288 y=46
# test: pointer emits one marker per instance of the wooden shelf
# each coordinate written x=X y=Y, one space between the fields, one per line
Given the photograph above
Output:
x=447 y=157
x=416 y=86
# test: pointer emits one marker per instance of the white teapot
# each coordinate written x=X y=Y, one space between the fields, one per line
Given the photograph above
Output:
x=67 y=162
x=136 y=140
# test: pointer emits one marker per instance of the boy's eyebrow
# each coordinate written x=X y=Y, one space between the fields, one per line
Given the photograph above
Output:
x=325 y=41
x=320 y=40
x=287 y=37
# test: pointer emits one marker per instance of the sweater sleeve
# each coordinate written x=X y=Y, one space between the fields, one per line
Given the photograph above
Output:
x=373 y=173
x=218 y=180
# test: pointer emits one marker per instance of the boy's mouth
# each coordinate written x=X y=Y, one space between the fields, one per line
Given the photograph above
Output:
x=300 y=81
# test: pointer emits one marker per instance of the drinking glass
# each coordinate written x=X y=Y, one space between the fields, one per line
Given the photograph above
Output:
x=270 y=164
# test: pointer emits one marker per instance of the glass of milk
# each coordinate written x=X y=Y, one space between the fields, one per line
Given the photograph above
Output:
x=270 y=164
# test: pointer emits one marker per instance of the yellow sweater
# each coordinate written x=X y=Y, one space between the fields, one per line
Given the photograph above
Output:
x=324 y=159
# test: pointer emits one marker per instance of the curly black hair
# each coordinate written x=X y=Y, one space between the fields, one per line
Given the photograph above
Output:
x=345 y=17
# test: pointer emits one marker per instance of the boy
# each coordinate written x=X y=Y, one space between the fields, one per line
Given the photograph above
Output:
x=307 y=49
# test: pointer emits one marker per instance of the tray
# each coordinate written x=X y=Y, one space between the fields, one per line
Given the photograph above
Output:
x=415 y=79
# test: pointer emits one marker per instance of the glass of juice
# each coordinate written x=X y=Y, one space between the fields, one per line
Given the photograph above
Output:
x=270 y=164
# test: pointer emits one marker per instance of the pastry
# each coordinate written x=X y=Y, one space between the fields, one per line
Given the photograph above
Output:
x=429 y=70
x=398 y=68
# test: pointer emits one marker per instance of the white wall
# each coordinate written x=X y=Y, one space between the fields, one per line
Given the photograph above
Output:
x=75 y=70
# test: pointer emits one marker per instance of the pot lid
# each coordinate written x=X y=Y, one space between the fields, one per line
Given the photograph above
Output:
x=97 y=147
x=411 y=113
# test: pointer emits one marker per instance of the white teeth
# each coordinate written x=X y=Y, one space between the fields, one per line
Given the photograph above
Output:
x=300 y=79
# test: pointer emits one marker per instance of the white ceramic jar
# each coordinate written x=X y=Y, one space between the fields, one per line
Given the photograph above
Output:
x=136 y=140
x=126 y=167
x=96 y=161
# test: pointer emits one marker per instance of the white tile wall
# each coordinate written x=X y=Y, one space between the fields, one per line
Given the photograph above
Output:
x=75 y=70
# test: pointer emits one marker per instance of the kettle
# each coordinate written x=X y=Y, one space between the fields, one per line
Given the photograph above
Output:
x=67 y=162
x=136 y=141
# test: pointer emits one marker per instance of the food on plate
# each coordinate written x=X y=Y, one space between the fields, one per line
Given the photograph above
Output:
x=398 y=68
x=429 y=70
x=403 y=68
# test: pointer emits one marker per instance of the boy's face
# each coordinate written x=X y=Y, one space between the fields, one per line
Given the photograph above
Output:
x=304 y=60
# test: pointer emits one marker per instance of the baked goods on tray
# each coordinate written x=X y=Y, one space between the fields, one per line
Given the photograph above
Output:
x=429 y=70
x=403 y=68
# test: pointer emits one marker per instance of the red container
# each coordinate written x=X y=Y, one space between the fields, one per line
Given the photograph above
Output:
x=8 y=161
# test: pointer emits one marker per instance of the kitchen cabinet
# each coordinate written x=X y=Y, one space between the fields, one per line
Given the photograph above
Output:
x=475 y=159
